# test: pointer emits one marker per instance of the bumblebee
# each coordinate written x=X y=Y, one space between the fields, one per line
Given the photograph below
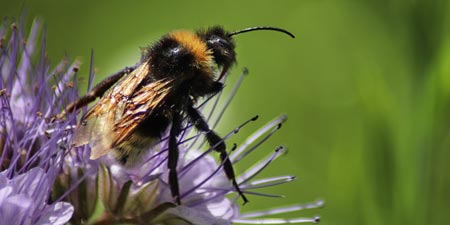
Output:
x=140 y=104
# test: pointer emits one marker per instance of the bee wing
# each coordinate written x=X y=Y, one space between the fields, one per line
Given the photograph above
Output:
x=95 y=131
x=140 y=106
x=96 y=128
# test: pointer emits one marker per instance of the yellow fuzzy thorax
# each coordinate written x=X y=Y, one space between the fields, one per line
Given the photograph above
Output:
x=193 y=43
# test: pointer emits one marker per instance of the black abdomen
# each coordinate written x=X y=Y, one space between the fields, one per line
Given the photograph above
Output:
x=147 y=134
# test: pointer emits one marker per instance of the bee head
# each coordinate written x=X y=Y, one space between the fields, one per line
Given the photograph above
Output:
x=220 y=44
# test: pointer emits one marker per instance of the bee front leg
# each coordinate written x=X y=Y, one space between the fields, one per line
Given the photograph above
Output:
x=219 y=145
x=97 y=91
x=173 y=158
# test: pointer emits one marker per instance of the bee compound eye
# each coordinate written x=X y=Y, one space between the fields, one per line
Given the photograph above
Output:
x=216 y=40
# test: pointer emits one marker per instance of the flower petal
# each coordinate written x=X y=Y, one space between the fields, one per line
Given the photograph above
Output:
x=16 y=209
x=4 y=193
x=191 y=216
x=59 y=213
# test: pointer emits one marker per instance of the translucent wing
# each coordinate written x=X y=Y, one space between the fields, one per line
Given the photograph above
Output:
x=119 y=111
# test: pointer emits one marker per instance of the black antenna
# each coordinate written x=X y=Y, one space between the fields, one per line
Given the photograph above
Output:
x=261 y=28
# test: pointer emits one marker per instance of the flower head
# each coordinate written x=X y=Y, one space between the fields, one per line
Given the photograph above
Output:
x=30 y=148
x=23 y=200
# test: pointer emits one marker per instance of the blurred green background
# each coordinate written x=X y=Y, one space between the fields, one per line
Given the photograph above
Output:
x=366 y=87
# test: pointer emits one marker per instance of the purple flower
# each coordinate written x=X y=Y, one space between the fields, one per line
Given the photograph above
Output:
x=31 y=146
x=23 y=200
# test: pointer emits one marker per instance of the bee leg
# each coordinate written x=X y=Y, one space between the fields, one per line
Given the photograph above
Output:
x=173 y=158
x=219 y=145
x=97 y=91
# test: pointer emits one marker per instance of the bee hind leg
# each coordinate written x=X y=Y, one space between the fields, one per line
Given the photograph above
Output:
x=219 y=145
x=173 y=158
x=97 y=91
